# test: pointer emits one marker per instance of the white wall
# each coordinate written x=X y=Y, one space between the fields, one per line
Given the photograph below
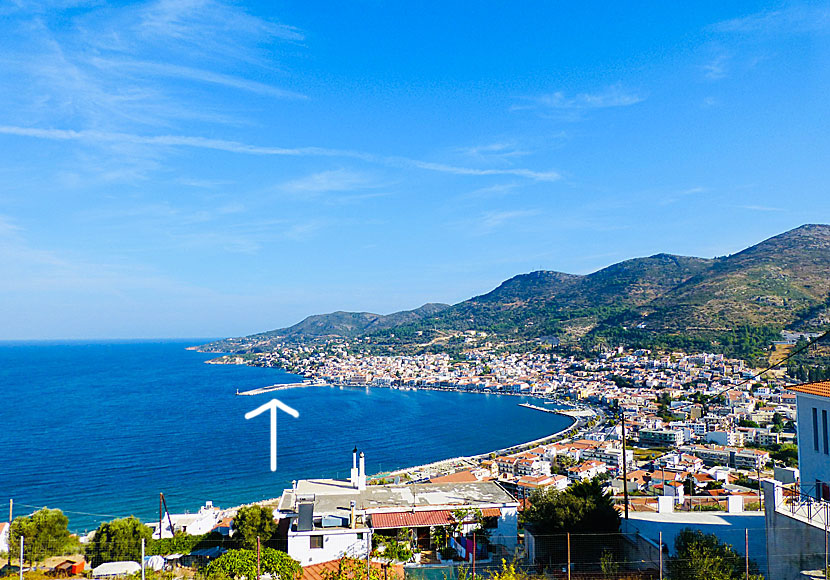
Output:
x=336 y=544
x=507 y=529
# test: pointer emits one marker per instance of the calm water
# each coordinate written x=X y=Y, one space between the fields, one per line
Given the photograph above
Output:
x=99 y=429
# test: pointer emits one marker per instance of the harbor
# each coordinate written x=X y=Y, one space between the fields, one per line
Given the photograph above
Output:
x=281 y=387
x=568 y=412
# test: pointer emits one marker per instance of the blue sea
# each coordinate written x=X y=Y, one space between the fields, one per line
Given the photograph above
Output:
x=99 y=429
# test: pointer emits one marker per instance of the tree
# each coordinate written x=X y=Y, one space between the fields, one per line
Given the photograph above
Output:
x=702 y=556
x=242 y=563
x=583 y=508
x=117 y=541
x=44 y=534
x=253 y=521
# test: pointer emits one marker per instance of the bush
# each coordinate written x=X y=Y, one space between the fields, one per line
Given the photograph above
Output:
x=448 y=553
x=239 y=563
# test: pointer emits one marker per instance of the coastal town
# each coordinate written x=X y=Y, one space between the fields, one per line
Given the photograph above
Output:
x=701 y=423
x=668 y=436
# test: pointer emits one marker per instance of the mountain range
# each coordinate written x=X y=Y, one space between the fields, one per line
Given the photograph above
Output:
x=782 y=282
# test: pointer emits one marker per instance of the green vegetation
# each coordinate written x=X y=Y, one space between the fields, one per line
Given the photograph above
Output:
x=355 y=569
x=813 y=363
x=117 y=540
x=735 y=305
x=243 y=563
x=702 y=556
x=44 y=533
x=397 y=548
x=786 y=453
x=183 y=543
x=583 y=508
x=253 y=521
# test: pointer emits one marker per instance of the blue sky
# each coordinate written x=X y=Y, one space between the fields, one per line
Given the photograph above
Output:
x=205 y=168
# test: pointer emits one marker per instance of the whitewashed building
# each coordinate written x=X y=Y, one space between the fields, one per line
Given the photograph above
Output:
x=326 y=519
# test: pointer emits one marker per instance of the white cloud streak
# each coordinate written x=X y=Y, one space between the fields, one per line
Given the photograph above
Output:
x=796 y=18
x=613 y=96
x=97 y=137
x=199 y=75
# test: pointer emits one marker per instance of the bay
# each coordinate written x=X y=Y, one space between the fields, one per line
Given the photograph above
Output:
x=99 y=429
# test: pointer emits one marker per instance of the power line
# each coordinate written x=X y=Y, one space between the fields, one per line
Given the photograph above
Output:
x=769 y=368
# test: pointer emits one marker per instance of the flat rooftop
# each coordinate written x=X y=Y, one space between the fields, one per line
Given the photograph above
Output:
x=333 y=496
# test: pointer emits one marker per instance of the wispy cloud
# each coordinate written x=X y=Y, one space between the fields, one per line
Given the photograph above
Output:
x=337 y=180
x=613 y=96
x=207 y=22
x=498 y=190
x=493 y=219
x=106 y=67
x=196 y=74
x=674 y=196
x=493 y=151
x=97 y=137
x=717 y=68
x=795 y=18
x=764 y=208
x=444 y=168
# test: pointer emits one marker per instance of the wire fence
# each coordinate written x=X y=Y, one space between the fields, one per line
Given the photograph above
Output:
x=651 y=552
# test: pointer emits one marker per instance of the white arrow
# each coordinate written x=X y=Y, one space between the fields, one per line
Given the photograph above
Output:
x=273 y=405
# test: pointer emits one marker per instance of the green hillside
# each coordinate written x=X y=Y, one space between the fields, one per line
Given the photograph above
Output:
x=735 y=304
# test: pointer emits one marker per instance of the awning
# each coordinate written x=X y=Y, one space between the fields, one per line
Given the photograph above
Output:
x=491 y=512
x=412 y=519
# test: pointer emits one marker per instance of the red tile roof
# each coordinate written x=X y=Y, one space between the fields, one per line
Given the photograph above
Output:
x=458 y=477
x=316 y=571
x=412 y=519
x=821 y=388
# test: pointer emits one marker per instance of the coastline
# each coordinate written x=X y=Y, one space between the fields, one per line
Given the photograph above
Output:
x=446 y=465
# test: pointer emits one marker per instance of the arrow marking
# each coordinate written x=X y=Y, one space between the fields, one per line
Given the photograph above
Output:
x=273 y=405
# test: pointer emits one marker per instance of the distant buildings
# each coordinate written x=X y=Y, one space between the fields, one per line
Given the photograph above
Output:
x=326 y=519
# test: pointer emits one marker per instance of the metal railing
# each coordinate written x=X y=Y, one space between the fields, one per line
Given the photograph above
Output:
x=803 y=501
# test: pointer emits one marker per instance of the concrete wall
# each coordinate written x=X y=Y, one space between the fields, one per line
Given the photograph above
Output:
x=729 y=528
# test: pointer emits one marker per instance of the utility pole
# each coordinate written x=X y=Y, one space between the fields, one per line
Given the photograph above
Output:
x=369 y=555
x=142 y=558
x=746 y=550
x=569 y=556
x=21 y=557
x=11 y=504
x=257 y=558
x=660 y=545
x=625 y=470
x=474 y=556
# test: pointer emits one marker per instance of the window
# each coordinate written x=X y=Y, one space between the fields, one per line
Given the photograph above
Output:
x=315 y=542
x=815 y=428
x=824 y=429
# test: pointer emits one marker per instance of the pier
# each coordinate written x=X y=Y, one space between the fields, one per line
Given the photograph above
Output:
x=280 y=387
x=569 y=412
